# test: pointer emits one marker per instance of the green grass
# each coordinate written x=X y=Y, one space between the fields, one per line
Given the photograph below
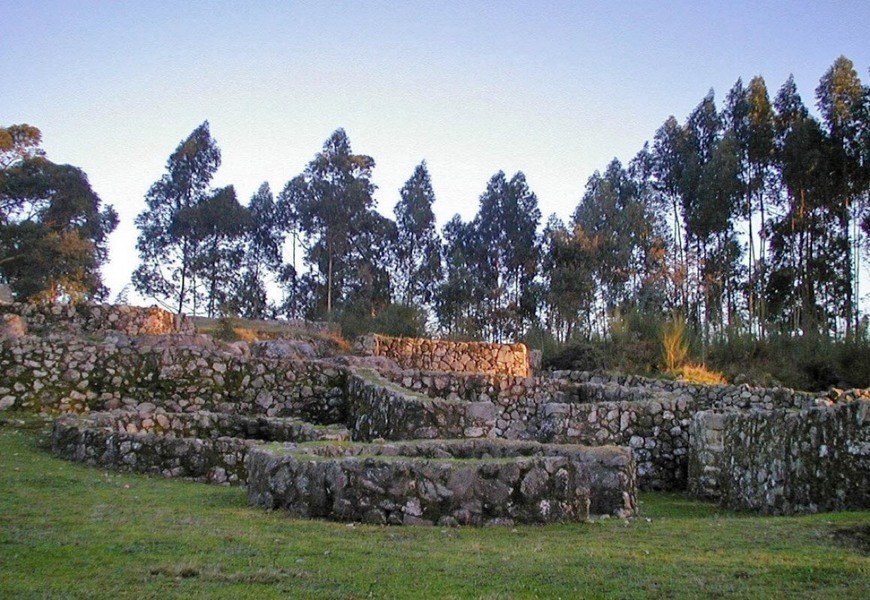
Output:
x=70 y=531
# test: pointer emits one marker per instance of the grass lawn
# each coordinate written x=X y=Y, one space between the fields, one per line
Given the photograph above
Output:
x=70 y=531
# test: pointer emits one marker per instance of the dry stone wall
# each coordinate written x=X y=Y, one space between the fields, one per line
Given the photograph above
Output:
x=470 y=482
x=449 y=356
x=49 y=319
x=784 y=461
x=204 y=447
x=177 y=373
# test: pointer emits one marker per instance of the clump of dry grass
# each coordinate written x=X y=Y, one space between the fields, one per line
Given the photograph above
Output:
x=699 y=373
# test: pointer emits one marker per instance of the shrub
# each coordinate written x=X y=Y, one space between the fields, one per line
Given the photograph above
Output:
x=675 y=348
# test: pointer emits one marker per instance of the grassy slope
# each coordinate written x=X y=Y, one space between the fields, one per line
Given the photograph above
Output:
x=67 y=530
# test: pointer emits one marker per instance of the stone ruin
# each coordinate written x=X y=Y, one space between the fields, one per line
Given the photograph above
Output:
x=390 y=437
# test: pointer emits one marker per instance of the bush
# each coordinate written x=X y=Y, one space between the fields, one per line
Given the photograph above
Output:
x=577 y=356
x=395 y=320
x=675 y=348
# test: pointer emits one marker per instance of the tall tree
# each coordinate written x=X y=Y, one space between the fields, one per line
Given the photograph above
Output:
x=842 y=101
x=167 y=251
x=567 y=265
x=509 y=251
x=262 y=256
x=418 y=256
x=617 y=230
x=331 y=203
x=216 y=225
x=459 y=297
x=667 y=172
x=804 y=291
x=53 y=229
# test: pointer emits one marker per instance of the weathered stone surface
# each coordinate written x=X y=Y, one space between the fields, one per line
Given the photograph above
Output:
x=180 y=373
x=445 y=355
x=444 y=482
x=92 y=318
x=12 y=326
x=784 y=461
x=205 y=447
x=171 y=385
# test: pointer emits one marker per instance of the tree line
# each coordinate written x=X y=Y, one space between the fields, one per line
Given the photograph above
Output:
x=750 y=216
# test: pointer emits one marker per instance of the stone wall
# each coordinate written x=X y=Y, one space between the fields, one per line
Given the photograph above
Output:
x=784 y=461
x=176 y=373
x=47 y=319
x=444 y=355
x=479 y=482
x=203 y=447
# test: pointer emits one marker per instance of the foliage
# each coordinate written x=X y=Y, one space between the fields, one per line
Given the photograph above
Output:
x=129 y=536
x=748 y=217
x=347 y=241
x=261 y=256
x=53 y=226
x=417 y=251
x=19 y=143
x=397 y=320
x=168 y=246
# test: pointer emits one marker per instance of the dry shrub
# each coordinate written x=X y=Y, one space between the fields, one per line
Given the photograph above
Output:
x=675 y=348
x=246 y=335
x=693 y=373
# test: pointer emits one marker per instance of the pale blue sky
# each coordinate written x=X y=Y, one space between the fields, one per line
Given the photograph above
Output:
x=555 y=89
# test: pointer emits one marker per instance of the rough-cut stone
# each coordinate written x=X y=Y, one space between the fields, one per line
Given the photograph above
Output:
x=783 y=461
x=91 y=318
x=12 y=326
x=444 y=355
x=444 y=482
x=205 y=447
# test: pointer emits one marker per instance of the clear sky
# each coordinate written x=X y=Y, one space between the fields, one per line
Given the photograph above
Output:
x=555 y=89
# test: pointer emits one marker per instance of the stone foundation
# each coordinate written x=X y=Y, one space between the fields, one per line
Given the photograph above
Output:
x=204 y=447
x=783 y=462
x=49 y=319
x=177 y=373
x=455 y=482
x=444 y=355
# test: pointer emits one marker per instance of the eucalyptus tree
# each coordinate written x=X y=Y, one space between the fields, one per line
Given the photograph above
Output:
x=506 y=228
x=618 y=229
x=666 y=172
x=217 y=226
x=330 y=204
x=417 y=250
x=53 y=227
x=262 y=256
x=569 y=281
x=842 y=101
x=459 y=296
x=805 y=240
x=166 y=251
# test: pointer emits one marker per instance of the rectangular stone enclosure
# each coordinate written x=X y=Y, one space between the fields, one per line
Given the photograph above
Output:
x=444 y=482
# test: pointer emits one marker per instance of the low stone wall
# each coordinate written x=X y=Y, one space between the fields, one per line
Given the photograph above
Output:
x=190 y=446
x=458 y=482
x=176 y=373
x=378 y=409
x=444 y=355
x=86 y=318
x=784 y=461
x=649 y=416
x=652 y=417
x=214 y=425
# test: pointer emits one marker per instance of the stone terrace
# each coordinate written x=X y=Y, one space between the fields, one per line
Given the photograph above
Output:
x=181 y=404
